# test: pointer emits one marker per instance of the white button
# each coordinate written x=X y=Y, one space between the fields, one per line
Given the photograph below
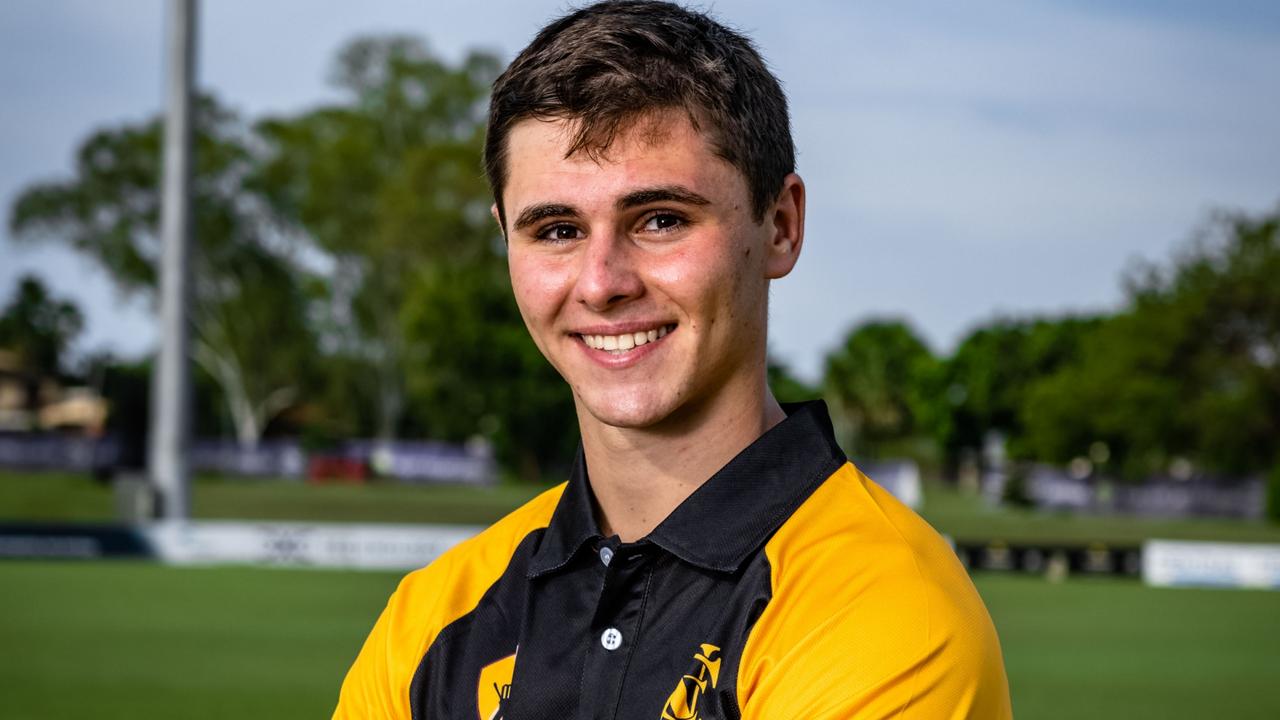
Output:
x=611 y=639
x=606 y=555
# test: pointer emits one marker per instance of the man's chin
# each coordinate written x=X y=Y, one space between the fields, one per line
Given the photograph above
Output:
x=628 y=412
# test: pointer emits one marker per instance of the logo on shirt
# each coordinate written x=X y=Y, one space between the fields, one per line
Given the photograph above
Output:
x=683 y=703
x=493 y=691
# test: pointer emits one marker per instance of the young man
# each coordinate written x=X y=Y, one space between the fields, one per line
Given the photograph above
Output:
x=713 y=554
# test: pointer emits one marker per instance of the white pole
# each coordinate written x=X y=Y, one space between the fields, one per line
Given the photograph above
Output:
x=171 y=376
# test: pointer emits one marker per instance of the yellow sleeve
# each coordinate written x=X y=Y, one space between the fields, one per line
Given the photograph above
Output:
x=377 y=685
x=427 y=600
x=368 y=691
x=872 y=618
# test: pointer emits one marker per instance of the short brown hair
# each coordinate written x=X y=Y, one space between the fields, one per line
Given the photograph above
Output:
x=608 y=64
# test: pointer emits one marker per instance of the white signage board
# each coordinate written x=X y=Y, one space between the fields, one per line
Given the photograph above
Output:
x=296 y=544
x=900 y=477
x=1210 y=564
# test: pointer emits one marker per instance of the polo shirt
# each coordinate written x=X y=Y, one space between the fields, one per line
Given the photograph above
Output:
x=788 y=585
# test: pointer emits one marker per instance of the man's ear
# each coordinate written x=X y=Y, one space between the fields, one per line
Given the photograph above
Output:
x=497 y=217
x=785 y=220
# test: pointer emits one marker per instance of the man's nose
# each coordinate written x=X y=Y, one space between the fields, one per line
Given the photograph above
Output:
x=608 y=275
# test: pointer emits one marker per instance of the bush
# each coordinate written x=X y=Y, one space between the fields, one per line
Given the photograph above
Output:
x=1273 y=494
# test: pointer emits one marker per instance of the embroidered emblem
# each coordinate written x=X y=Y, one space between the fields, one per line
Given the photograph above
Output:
x=683 y=703
x=494 y=688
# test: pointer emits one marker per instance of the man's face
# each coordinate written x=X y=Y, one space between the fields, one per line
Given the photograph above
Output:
x=641 y=275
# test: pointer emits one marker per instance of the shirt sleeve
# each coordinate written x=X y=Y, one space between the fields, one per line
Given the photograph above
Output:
x=372 y=688
x=847 y=670
x=377 y=685
x=870 y=617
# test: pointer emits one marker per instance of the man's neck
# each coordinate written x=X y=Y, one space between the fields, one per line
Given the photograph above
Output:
x=639 y=476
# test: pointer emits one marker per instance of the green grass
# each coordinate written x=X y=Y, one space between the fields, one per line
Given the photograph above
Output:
x=62 y=496
x=68 y=496
x=1105 y=648
x=132 y=640
x=967 y=517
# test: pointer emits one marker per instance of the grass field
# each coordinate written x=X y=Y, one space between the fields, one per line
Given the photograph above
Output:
x=67 y=496
x=132 y=640
x=137 y=640
x=1107 y=648
x=60 y=496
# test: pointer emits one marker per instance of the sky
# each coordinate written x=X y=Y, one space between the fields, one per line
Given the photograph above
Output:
x=964 y=161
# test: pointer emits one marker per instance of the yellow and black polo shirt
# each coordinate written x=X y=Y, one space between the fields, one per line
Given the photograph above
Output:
x=788 y=586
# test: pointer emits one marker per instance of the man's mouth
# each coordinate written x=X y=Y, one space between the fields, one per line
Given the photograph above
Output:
x=626 y=341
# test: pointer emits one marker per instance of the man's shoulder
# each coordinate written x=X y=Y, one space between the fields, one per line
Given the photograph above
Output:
x=854 y=530
x=860 y=582
x=496 y=543
x=454 y=582
x=855 y=565
x=425 y=603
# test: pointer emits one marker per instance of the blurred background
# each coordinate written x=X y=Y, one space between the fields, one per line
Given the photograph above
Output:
x=1040 y=293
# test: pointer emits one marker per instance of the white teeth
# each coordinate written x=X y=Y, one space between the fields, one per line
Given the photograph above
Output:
x=625 y=342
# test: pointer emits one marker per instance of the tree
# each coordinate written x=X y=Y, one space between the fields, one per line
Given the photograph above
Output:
x=418 y=326
x=39 y=327
x=1190 y=369
x=248 y=326
x=984 y=384
x=1122 y=392
x=877 y=383
x=387 y=186
x=486 y=376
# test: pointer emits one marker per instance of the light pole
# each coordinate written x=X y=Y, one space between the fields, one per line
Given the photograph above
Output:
x=171 y=375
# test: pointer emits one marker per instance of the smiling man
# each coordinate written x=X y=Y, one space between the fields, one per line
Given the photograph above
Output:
x=713 y=554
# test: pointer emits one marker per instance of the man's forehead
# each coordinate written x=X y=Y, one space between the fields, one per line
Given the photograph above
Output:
x=604 y=142
x=664 y=147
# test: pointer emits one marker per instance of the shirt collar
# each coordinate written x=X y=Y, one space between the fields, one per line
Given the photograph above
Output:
x=732 y=514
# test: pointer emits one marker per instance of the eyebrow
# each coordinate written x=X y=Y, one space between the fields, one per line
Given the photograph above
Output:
x=537 y=213
x=663 y=193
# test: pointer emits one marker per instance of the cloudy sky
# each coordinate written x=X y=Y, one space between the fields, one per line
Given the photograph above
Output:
x=963 y=160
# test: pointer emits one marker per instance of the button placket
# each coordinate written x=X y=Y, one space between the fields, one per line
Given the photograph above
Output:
x=623 y=589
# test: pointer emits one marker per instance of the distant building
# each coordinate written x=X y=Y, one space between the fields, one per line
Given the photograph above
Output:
x=30 y=401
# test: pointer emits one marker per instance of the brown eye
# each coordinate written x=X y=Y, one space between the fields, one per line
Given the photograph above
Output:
x=560 y=233
x=662 y=222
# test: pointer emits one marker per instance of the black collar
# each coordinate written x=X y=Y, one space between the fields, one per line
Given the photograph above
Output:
x=731 y=515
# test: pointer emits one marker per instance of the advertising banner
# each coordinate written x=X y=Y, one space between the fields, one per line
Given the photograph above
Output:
x=1211 y=564
x=320 y=545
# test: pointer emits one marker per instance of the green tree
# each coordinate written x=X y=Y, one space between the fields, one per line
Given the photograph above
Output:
x=485 y=376
x=39 y=327
x=249 y=331
x=983 y=386
x=387 y=186
x=1123 y=392
x=418 y=326
x=878 y=383
x=1191 y=368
